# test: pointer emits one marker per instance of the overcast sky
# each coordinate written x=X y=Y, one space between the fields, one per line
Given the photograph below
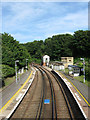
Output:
x=29 y=21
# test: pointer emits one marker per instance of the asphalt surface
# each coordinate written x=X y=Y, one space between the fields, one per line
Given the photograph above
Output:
x=83 y=88
x=9 y=91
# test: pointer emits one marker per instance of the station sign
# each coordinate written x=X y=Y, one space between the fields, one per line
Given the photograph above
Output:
x=46 y=101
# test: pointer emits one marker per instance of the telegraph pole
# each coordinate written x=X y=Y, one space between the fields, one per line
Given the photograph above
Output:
x=26 y=65
x=83 y=68
x=16 y=68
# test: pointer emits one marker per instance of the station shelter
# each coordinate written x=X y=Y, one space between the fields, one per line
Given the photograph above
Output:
x=74 y=70
x=46 y=60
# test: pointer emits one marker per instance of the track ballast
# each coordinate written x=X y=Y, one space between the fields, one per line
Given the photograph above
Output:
x=47 y=85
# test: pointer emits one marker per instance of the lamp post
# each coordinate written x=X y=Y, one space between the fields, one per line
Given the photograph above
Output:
x=83 y=67
x=26 y=64
x=16 y=68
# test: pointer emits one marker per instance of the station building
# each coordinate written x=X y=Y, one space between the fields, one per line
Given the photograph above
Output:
x=74 y=70
x=46 y=60
x=67 y=61
x=57 y=65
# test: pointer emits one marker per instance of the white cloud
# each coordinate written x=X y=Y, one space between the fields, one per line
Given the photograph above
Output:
x=69 y=22
x=30 y=21
x=21 y=37
x=44 y=0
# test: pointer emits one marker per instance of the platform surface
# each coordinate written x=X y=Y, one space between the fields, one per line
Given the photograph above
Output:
x=9 y=91
x=79 y=90
x=21 y=89
x=83 y=88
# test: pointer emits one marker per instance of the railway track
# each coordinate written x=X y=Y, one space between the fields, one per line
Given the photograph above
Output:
x=46 y=86
x=31 y=103
x=73 y=109
x=62 y=108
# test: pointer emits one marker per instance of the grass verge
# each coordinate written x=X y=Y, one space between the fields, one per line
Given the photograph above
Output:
x=81 y=79
x=8 y=81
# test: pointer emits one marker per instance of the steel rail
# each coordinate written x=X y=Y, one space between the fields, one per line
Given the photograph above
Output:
x=67 y=103
x=72 y=114
x=30 y=99
x=39 y=111
x=28 y=103
x=53 y=96
x=38 y=114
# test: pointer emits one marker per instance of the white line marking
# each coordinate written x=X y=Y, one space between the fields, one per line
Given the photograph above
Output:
x=19 y=96
x=78 y=96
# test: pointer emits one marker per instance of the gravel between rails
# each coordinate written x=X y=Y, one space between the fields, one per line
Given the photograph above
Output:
x=47 y=86
x=29 y=105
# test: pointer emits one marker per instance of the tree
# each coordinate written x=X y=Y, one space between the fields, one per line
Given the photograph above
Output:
x=58 y=45
x=81 y=44
x=12 y=51
x=76 y=45
x=35 y=48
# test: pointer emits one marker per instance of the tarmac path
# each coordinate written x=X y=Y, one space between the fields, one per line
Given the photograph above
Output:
x=83 y=88
x=9 y=91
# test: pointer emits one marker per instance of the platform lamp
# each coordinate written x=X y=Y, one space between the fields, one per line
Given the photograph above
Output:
x=26 y=64
x=83 y=67
x=16 y=68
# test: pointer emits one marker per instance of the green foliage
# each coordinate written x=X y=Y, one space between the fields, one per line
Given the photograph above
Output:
x=35 y=48
x=7 y=71
x=78 y=62
x=58 y=45
x=77 y=45
x=38 y=61
x=81 y=44
x=87 y=69
x=12 y=51
x=0 y=49
x=55 y=47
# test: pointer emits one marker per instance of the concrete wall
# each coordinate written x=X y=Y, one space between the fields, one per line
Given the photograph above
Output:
x=61 y=67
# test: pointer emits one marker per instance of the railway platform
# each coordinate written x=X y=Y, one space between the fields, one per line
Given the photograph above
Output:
x=79 y=91
x=83 y=88
x=10 y=90
x=46 y=86
x=11 y=102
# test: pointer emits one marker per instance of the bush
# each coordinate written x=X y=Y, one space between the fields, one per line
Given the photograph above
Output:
x=7 y=71
x=87 y=71
x=35 y=60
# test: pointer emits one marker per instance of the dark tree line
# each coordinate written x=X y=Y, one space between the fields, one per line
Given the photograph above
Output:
x=81 y=44
x=57 y=46
x=12 y=50
x=76 y=45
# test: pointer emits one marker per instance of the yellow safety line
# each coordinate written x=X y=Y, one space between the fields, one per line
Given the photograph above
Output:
x=77 y=90
x=16 y=92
